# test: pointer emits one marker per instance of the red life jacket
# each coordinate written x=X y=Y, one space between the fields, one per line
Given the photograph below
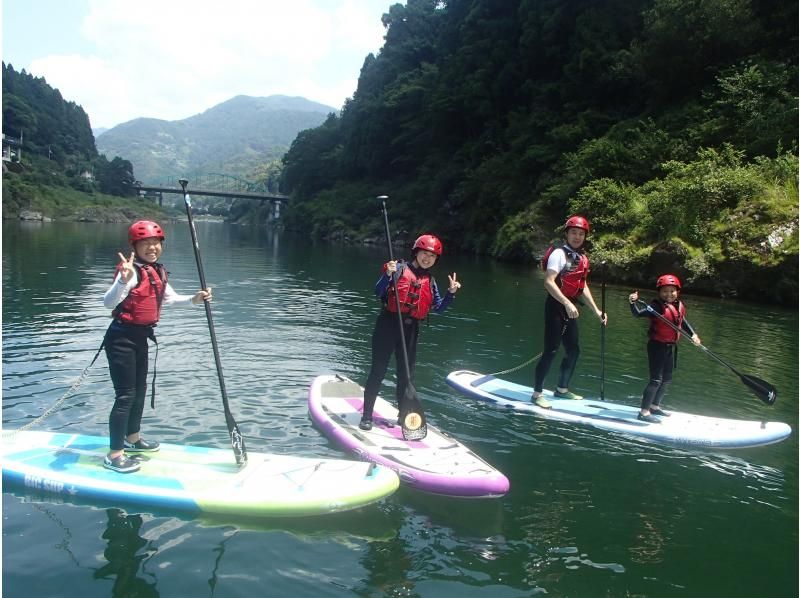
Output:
x=415 y=293
x=142 y=306
x=660 y=330
x=572 y=279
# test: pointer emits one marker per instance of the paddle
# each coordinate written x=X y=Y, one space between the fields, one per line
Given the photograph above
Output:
x=763 y=389
x=603 y=334
x=237 y=440
x=412 y=417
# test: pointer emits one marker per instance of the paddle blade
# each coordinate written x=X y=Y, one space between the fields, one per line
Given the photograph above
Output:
x=412 y=416
x=237 y=443
x=763 y=389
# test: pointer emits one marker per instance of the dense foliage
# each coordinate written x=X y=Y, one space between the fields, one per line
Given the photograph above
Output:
x=48 y=124
x=58 y=148
x=672 y=124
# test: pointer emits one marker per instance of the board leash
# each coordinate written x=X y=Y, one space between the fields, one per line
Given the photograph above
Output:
x=519 y=367
x=54 y=407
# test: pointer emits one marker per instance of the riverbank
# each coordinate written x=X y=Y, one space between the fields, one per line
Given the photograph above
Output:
x=615 y=260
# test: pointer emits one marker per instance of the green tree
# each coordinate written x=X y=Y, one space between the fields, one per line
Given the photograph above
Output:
x=115 y=177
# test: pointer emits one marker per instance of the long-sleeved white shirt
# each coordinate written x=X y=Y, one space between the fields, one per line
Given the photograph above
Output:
x=119 y=290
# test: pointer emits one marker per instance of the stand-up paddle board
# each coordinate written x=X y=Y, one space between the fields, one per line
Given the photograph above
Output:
x=679 y=428
x=193 y=479
x=437 y=464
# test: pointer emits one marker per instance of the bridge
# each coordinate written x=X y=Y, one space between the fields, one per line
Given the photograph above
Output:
x=215 y=185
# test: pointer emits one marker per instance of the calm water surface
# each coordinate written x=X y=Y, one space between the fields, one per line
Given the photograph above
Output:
x=589 y=513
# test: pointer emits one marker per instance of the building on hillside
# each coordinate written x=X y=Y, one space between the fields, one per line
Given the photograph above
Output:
x=12 y=148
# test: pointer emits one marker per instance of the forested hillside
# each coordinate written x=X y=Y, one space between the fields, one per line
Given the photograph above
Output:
x=672 y=124
x=60 y=173
x=49 y=124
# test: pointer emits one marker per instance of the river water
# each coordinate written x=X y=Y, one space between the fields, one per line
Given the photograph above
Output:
x=589 y=513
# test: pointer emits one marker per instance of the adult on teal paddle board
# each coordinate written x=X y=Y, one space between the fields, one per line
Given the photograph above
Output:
x=566 y=270
x=662 y=351
x=136 y=296
x=418 y=294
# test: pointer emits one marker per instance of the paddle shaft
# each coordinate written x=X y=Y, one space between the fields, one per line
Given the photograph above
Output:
x=396 y=295
x=603 y=334
x=237 y=440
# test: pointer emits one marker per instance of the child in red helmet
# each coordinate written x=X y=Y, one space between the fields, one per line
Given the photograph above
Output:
x=139 y=290
x=663 y=337
x=566 y=271
x=418 y=295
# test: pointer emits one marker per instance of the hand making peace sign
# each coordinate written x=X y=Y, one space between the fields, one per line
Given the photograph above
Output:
x=454 y=284
x=126 y=270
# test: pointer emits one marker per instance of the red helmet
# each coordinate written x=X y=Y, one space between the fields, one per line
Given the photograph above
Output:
x=144 y=229
x=577 y=222
x=429 y=243
x=668 y=279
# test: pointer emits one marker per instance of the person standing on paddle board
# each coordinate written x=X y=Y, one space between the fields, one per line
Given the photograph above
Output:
x=418 y=295
x=139 y=290
x=660 y=355
x=566 y=270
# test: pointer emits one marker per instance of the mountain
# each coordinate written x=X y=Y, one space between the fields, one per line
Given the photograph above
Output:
x=99 y=131
x=232 y=137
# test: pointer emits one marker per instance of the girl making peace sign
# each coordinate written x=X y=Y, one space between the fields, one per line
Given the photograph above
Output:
x=139 y=290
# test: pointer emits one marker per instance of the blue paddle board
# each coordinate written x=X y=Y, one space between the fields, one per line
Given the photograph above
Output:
x=679 y=428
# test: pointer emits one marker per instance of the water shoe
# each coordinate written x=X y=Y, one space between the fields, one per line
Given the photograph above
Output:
x=567 y=395
x=540 y=401
x=121 y=464
x=141 y=446
x=650 y=419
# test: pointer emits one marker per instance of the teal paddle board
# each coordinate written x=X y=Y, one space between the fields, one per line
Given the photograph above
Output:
x=191 y=478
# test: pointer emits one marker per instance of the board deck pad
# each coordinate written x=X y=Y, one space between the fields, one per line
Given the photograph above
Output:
x=192 y=479
x=437 y=464
x=679 y=428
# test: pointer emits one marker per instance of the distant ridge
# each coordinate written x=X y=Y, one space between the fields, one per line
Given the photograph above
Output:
x=232 y=137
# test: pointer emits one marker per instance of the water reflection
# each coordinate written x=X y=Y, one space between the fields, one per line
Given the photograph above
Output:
x=125 y=561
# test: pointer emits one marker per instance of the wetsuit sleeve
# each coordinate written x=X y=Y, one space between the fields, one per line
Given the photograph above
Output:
x=119 y=290
x=686 y=327
x=382 y=286
x=638 y=312
x=440 y=303
x=173 y=298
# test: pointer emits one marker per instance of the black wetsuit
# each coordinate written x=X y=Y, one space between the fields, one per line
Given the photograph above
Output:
x=661 y=357
x=386 y=341
x=558 y=329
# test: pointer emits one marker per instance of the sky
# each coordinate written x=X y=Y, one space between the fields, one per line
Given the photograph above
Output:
x=172 y=59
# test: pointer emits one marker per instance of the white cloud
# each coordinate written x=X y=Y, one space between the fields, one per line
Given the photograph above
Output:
x=172 y=59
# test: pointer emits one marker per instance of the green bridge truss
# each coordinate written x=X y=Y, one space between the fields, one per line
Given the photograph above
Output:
x=215 y=180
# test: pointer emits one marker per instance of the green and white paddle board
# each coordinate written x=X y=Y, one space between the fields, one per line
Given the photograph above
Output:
x=193 y=479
